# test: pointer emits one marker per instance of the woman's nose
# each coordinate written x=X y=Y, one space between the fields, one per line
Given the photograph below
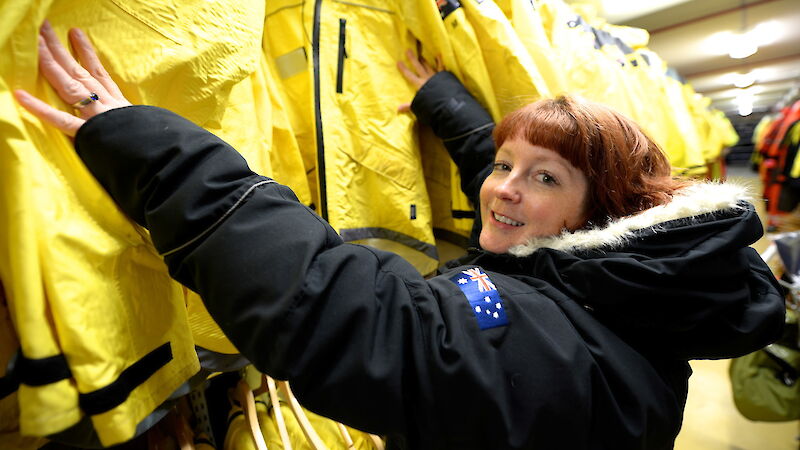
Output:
x=508 y=190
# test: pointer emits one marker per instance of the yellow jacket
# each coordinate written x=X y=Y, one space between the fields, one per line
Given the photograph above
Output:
x=337 y=67
x=527 y=23
x=590 y=73
x=88 y=295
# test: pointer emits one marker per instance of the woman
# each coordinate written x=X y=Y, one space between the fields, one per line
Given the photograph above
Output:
x=571 y=329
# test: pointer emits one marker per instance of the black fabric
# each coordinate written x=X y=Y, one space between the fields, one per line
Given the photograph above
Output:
x=113 y=395
x=594 y=355
x=162 y=204
x=789 y=197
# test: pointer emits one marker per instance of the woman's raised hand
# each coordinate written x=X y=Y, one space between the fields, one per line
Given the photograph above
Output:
x=419 y=73
x=85 y=85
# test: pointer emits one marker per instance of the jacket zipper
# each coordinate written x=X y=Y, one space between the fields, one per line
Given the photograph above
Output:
x=342 y=56
x=323 y=194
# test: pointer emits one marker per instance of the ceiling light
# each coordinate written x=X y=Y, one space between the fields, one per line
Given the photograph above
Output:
x=742 y=80
x=766 y=33
x=745 y=109
x=744 y=100
x=741 y=46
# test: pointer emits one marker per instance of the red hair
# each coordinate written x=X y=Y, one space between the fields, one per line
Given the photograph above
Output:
x=626 y=170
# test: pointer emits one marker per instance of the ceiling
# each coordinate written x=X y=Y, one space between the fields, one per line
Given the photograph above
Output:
x=692 y=36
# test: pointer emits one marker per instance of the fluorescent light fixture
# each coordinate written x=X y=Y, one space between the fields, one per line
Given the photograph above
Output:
x=743 y=80
x=718 y=43
x=745 y=109
x=744 y=101
x=766 y=33
x=742 y=45
x=617 y=11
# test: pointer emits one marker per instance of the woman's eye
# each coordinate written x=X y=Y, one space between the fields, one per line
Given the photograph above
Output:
x=546 y=178
x=501 y=166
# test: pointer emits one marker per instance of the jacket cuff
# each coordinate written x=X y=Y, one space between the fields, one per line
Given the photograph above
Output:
x=444 y=104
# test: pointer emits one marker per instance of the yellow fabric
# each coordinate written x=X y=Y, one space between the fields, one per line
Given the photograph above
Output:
x=205 y=331
x=651 y=115
x=633 y=37
x=643 y=92
x=760 y=131
x=527 y=23
x=639 y=95
x=670 y=138
x=683 y=143
x=239 y=436
x=78 y=274
x=519 y=82
x=590 y=73
x=710 y=140
x=729 y=135
x=693 y=161
x=81 y=279
x=793 y=139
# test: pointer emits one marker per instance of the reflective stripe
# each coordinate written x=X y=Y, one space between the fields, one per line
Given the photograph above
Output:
x=221 y=219
x=357 y=234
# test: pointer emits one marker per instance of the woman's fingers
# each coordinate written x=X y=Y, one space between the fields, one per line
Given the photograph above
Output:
x=65 y=122
x=90 y=92
x=88 y=57
x=69 y=65
x=409 y=74
x=421 y=73
x=419 y=63
x=69 y=89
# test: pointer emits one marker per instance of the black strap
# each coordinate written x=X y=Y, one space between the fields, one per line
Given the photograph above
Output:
x=234 y=415
x=462 y=214
x=113 y=395
x=33 y=372
x=787 y=374
x=42 y=371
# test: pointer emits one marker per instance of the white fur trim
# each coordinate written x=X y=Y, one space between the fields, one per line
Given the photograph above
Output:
x=694 y=200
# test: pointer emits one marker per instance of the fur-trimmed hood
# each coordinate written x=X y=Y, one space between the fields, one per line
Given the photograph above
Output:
x=680 y=277
x=695 y=200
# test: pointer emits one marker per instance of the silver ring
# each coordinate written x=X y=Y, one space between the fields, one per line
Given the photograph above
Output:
x=91 y=98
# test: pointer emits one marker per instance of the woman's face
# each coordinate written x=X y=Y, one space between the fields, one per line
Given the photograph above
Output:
x=531 y=192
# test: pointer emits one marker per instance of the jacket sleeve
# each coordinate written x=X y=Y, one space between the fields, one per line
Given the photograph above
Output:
x=335 y=319
x=465 y=127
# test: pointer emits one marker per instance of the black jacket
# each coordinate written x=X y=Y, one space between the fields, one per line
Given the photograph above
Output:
x=588 y=349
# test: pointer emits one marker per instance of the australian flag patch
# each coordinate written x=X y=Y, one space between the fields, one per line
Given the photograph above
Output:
x=483 y=297
x=447 y=6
